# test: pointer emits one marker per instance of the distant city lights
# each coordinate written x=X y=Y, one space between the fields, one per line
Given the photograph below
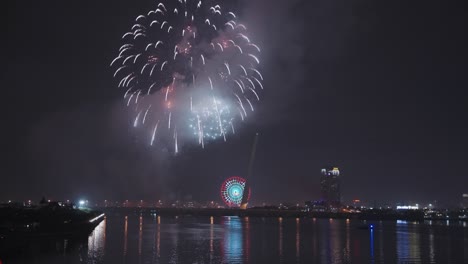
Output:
x=83 y=203
x=407 y=207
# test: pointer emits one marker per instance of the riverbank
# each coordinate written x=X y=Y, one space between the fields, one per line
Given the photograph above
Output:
x=21 y=224
x=408 y=215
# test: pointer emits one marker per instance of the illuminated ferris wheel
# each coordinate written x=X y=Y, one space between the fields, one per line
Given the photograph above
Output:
x=232 y=191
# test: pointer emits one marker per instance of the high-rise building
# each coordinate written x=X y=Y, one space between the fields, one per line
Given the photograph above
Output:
x=465 y=200
x=330 y=186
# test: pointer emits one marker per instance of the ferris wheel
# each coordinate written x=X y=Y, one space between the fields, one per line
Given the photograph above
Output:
x=232 y=191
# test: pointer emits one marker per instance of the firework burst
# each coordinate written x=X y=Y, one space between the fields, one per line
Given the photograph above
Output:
x=188 y=69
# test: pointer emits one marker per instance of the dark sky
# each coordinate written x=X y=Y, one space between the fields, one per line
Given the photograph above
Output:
x=378 y=89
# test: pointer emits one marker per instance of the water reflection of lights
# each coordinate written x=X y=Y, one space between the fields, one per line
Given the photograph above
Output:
x=335 y=248
x=140 y=236
x=315 y=241
x=347 y=251
x=125 y=236
x=158 y=238
x=174 y=251
x=298 y=238
x=372 y=245
x=402 y=242
x=415 y=250
x=247 y=239
x=65 y=245
x=97 y=242
x=233 y=240
x=155 y=241
x=211 y=237
x=401 y=222
x=431 y=247
x=408 y=242
x=280 y=246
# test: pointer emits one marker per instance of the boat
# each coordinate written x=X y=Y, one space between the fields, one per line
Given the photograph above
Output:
x=366 y=226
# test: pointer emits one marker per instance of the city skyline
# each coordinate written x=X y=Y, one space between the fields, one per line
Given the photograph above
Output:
x=378 y=90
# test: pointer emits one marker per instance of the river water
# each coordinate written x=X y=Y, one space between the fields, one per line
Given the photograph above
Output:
x=154 y=239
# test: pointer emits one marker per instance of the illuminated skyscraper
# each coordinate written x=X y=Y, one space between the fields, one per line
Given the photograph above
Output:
x=465 y=200
x=330 y=186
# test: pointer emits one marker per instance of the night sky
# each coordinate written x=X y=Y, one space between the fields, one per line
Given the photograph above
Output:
x=377 y=89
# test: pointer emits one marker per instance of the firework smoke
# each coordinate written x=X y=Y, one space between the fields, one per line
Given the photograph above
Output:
x=188 y=70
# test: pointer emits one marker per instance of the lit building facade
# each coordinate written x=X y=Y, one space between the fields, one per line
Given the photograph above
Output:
x=465 y=200
x=330 y=186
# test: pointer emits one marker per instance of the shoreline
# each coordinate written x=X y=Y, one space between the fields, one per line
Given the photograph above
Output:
x=217 y=212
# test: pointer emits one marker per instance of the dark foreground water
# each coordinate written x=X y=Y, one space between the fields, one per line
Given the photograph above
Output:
x=153 y=239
